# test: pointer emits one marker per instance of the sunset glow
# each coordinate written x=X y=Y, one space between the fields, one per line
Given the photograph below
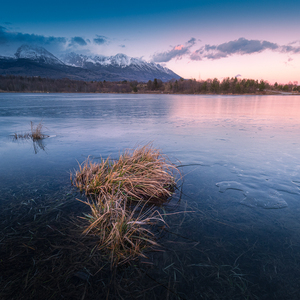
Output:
x=195 y=39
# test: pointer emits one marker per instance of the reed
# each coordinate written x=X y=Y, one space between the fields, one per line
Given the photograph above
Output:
x=119 y=195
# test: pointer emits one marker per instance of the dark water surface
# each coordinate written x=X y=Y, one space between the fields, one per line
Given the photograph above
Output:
x=240 y=159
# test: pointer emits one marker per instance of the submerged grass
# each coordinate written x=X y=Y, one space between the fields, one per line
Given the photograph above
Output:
x=120 y=193
x=122 y=232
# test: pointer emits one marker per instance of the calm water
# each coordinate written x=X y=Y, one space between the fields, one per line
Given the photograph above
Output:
x=239 y=156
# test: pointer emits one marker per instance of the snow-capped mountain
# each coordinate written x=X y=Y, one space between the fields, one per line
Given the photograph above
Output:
x=84 y=61
x=37 y=61
x=38 y=54
x=118 y=61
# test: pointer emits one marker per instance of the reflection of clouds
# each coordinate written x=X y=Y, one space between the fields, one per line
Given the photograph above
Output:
x=275 y=110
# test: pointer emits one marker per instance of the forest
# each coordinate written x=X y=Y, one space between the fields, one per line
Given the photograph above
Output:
x=234 y=85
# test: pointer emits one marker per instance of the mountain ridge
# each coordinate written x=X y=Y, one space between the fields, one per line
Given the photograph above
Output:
x=37 y=61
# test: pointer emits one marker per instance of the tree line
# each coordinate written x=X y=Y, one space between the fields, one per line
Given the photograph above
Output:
x=234 y=85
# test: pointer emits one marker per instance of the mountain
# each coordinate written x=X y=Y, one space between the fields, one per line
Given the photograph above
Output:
x=37 y=61
x=120 y=61
x=121 y=65
x=38 y=54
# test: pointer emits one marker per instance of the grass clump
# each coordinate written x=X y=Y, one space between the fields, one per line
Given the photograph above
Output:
x=120 y=193
x=35 y=134
x=140 y=174
x=36 y=131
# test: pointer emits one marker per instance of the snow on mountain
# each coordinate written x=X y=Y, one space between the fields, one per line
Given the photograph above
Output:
x=38 y=54
x=119 y=60
x=76 y=60
x=80 y=60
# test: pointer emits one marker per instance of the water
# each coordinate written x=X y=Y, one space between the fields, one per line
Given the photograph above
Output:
x=239 y=156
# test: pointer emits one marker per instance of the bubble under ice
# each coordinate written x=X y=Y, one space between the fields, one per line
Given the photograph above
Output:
x=270 y=200
x=230 y=185
x=267 y=203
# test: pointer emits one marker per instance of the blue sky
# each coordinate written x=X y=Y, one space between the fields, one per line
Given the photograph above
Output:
x=196 y=39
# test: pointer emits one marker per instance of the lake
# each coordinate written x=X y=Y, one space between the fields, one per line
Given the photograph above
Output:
x=233 y=224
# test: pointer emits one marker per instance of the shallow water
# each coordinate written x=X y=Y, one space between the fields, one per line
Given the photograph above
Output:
x=239 y=156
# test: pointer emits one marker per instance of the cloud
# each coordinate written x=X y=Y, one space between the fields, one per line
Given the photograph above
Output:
x=176 y=52
x=10 y=40
x=294 y=42
x=100 y=40
x=244 y=46
x=122 y=46
x=192 y=41
x=195 y=56
x=241 y=46
x=77 y=40
x=8 y=37
x=290 y=49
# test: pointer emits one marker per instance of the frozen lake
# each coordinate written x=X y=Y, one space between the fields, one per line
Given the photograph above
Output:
x=240 y=161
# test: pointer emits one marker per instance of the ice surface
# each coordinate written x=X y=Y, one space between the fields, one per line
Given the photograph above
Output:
x=230 y=185
x=270 y=199
x=267 y=203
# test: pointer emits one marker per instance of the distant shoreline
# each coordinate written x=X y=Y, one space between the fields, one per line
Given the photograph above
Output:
x=228 y=86
x=263 y=93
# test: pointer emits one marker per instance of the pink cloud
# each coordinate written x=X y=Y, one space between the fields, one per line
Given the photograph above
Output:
x=176 y=52
x=179 y=47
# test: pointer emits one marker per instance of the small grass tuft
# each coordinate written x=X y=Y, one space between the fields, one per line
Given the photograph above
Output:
x=36 y=133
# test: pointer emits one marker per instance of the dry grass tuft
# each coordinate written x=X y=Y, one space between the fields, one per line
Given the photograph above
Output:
x=140 y=174
x=36 y=133
x=120 y=192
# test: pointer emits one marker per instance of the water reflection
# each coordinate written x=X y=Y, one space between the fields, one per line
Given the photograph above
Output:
x=38 y=145
x=275 y=110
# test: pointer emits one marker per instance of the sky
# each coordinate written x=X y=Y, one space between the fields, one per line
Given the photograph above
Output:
x=257 y=39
